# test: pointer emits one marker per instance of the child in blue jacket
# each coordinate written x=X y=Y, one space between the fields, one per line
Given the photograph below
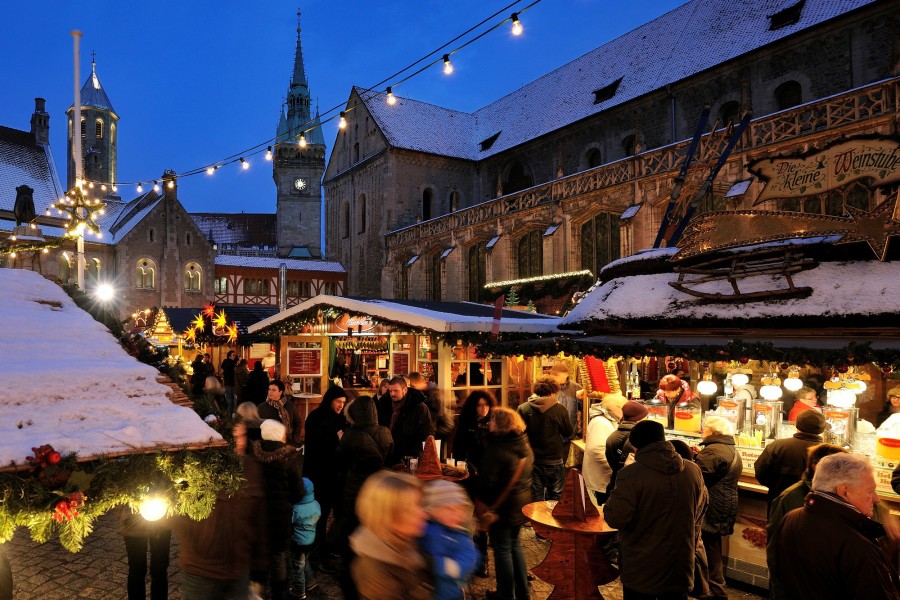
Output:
x=306 y=514
x=447 y=540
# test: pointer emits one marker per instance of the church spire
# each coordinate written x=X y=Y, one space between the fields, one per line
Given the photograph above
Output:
x=297 y=120
x=299 y=77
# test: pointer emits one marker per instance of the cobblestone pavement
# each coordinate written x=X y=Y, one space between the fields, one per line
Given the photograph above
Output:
x=49 y=572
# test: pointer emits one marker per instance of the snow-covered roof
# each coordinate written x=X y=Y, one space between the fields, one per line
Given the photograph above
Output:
x=683 y=42
x=840 y=290
x=238 y=229
x=67 y=382
x=433 y=316
x=24 y=162
x=273 y=262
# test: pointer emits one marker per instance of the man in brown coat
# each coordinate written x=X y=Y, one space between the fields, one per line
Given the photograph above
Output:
x=658 y=506
x=782 y=463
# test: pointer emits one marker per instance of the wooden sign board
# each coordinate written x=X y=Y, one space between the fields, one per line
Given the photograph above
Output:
x=304 y=361
x=400 y=362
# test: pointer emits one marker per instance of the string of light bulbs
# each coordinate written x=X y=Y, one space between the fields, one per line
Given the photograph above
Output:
x=339 y=111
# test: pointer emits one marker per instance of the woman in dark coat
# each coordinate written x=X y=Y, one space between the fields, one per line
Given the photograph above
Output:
x=257 y=384
x=720 y=463
x=507 y=446
x=363 y=449
x=324 y=427
x=283 y=485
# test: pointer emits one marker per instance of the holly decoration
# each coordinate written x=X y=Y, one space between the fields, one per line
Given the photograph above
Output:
x=67 y=508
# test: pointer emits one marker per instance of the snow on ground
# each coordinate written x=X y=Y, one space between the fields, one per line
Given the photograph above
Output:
x=839 y=289
x=66 y=381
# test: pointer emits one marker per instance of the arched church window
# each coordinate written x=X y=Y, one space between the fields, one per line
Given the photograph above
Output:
x=345 y=225
x=65 y=268
x=192 y=277
x=145 y=274
x=518 y=178
x=98 y=129
x=730 y=112
x=362 y=213
x=629 y=145
x=477 y=271
x=531 y=254
x=593 y=158
x=788 y=94
x=427 y=201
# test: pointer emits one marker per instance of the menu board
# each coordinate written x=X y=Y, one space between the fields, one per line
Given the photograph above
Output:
x=304 y=361
x=400 y=360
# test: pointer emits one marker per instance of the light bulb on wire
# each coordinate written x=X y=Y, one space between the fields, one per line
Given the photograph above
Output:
x=391 y=98
x=244 y=164
x=269 y=153
x=140 y=189
x=516 y=24
x=342 y=123
x=448 y=66
x=210 y=170
x=171 y=184
x=302 y=141
x=155 y=186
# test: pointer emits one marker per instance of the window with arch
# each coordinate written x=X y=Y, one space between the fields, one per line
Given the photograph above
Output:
x=435 y=273
x=599 y=241
x=454 y=201
x=330 y=288
x=298 y=289
x=788 y=94
x=112 y=134
x=593 y=158
x=361 y=203
x=70 y=129
x=345 y=218
x=192 y=277
x=151 y=235
x=145 y=274
x=530 y=250
x=256 y=287
x=65 y=268
x=427 y=202
x=403 y=283
x=833 y=203
x=98 y=129
x=92 y=272
x=730 y=112
x=629 y=145
x=477 y=271
x=517 y=178
x=83 y=127
x=220 y=285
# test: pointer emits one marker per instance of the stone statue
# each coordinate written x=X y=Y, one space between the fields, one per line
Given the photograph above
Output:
x=24 y=207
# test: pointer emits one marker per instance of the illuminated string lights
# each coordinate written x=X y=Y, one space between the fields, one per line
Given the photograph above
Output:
x=414 y=69
x=155 y=186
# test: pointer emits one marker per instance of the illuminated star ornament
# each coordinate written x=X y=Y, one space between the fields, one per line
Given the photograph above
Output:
x=199 y=323
x=874 y=227
x=220 y=320
x=80 y=211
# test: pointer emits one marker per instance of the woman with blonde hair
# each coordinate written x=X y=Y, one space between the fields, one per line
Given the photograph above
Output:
x=387 y=563
x=503 y=484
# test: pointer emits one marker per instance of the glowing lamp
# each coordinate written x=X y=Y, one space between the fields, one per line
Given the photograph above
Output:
x=841 y=397
x=448 y=66
x=770 y=392
x=707 y=387
x=140 y=189
x=155 y=186
x=154 y=508
x=342 y=123
x=210 y=170
x=739 y=379
x=302 y=141
x=516 y=24
x=269 y=153
x=104 y=292
x=391 y=98
x=792 y=384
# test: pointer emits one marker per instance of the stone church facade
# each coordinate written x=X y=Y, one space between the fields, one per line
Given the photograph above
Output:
x=576 y=168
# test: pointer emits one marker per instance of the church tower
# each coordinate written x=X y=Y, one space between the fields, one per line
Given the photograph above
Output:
x=298 y=166
x=99 y=131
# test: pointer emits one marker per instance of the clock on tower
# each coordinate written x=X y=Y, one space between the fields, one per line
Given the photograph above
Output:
x=299 y=184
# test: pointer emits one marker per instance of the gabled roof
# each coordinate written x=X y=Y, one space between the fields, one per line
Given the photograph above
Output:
x=24 y=162
x=434 y=316
x=683 y=42
x=93 y=94
x=274 y=262
x=238 y=229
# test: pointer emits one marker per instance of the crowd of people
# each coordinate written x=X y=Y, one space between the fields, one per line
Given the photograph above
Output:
x=349 y=503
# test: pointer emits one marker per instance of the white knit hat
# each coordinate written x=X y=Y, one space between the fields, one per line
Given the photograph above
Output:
x=272 y=430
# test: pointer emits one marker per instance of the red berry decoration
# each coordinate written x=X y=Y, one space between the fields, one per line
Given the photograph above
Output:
x=744 y=360
x=670 y=365
x=54 y=458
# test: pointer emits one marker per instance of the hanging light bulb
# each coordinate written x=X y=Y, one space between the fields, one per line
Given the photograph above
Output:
x=210 y=170
x=115 y=188
x=342 y=123
x=771 y=389
x=103 y=187
x=516 y=24
x=155 y=186
x=269 y=153
x=739 y=379
x=140 y=189
x=448 y=66
x=707 y=387
x=302 y=141
x=792 y=382
x=391 y=98
x=244 y=164
x=47 y=212
x=171 y=183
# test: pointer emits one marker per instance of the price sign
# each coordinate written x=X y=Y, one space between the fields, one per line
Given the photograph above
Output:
x=400 y=360
x=304 y=361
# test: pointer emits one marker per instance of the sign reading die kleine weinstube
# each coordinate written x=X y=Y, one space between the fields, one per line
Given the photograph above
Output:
x=836 y=165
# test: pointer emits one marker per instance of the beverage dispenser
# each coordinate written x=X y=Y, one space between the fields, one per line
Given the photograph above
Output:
x=657 y=411
x=687 y=417
x=732 y=409
x=841 y=429
x=765 y=419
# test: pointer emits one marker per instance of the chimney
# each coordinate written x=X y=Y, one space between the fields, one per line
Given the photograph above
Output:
x=169 y=184
x=40 y=122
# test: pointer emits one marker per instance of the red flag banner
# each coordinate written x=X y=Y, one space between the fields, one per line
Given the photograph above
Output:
x=498 y=314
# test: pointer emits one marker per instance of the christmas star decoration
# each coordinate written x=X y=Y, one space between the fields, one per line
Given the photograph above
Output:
x=190 y=334
x=232 y=333
x=199 y=323
x=220 y=320
x=874 y=228
x=80 y=211
x=209 y=310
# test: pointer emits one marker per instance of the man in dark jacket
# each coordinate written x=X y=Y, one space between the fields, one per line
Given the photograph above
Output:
x=409 y=422
x=721 y=465
x=324 y=427
x=548 y=428
x=783 y=461
x=618 y=448
x=657 y=506
x=829 y=548
x=227 y=368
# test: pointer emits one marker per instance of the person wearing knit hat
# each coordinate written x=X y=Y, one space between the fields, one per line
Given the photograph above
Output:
x=324 y=427
x=645 y=433
x=272 y=430
x=891 y=405
x=447 y=540
x=618 y=446
x=783 y=461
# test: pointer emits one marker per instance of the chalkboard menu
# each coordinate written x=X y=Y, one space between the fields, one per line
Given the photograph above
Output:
x=304 y=361
x=401 y=363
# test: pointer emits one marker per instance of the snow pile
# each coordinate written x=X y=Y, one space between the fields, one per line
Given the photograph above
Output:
x=839 y=289
x=66 y=381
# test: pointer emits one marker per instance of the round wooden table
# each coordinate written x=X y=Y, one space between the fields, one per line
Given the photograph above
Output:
x=576 y=563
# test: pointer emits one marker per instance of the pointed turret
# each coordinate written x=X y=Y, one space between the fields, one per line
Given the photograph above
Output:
x=299 y=77
x=99 y=135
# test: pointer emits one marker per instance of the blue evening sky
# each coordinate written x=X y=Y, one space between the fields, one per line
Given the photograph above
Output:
x=194 y=81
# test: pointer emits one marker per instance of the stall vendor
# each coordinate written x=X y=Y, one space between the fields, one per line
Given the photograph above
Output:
x=674 y=391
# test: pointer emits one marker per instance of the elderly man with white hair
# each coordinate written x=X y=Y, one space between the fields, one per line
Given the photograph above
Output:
x=829 y=548
x=720 y=464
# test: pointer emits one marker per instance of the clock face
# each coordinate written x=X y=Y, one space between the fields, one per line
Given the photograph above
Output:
x=300 y=183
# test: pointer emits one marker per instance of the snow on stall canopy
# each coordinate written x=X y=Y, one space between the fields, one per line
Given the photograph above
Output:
x=839 y=289
x=66 y=381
